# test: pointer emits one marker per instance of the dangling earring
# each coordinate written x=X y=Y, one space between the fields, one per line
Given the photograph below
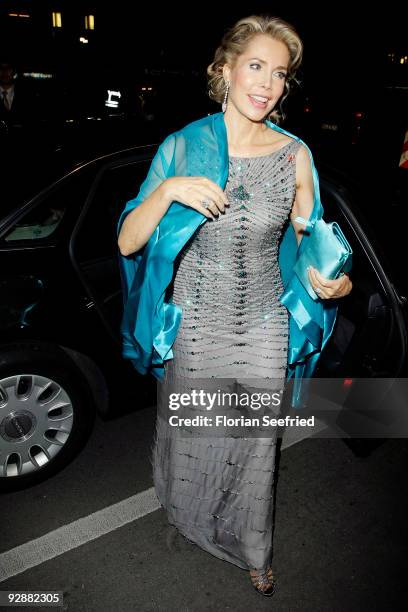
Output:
x=224 y=104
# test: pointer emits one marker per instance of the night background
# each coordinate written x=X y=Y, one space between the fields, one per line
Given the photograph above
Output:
x=354 y=62
x=350 y=106
x=99 y=79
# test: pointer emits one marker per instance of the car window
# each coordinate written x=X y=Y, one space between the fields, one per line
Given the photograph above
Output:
x=39 y=223
x=44 y=219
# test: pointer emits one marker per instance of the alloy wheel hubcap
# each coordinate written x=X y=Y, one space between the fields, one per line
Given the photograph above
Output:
x=36 y=419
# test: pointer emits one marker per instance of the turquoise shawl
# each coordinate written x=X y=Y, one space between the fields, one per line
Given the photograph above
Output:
x=150 y=322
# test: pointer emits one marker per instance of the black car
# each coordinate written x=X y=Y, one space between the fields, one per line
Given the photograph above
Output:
x=61 y=308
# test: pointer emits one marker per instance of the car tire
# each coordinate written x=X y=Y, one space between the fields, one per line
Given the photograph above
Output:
x=46 y=433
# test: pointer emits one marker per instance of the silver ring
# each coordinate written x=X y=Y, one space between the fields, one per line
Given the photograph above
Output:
x=206 y=203
x=318 y=290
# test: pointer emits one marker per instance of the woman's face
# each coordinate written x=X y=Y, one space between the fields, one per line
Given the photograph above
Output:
x=257 y=80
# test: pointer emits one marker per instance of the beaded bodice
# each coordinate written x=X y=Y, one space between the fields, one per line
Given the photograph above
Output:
x=233 y=261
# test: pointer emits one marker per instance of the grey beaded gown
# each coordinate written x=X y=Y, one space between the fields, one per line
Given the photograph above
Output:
x=218 y=492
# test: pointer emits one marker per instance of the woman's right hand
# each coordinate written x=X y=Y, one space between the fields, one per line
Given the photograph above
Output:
x=192 y=190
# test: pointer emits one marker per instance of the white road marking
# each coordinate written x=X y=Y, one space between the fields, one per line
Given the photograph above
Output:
x=66 y=538
x=81 y=531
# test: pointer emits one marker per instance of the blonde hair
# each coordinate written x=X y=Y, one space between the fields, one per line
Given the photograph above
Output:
x=234 y=43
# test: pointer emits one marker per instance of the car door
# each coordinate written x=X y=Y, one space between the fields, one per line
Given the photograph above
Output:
x=357 y=385
x=94 y=248
x=94 y=251
x=370 y=337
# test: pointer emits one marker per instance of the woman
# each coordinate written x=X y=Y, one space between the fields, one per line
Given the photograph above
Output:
x=206 y=300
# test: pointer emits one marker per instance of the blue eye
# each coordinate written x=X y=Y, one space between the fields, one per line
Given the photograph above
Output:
x=283 y=75
x=259 y=65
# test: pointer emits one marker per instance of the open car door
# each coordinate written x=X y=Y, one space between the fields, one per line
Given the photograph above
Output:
x=368 y=348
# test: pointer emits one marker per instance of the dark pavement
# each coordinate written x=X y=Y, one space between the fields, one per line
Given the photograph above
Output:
x=340 y=532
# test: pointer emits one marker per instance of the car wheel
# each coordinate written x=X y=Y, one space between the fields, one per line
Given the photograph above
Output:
x=46 y=413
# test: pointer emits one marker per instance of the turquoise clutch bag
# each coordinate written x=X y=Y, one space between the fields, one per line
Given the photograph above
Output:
x=327 y=250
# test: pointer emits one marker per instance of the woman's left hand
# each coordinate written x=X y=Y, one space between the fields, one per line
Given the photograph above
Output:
x=329 y=289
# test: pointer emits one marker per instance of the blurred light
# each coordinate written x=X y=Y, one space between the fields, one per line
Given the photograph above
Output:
x=89 y=22
x=110 y=102
x=83 y=40
x=347 y=382
x=56 y=20
x=359 y=115
x=333 y=127
x=307 y=109
x=26 y=15
x=404 y=59
x=38 y=75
